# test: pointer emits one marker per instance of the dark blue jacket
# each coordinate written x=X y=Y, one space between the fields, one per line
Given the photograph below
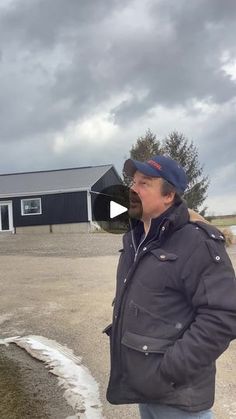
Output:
x=174 y=313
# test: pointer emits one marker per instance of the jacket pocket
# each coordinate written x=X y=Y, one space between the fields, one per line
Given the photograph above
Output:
x=142 y=319
x=142 y=356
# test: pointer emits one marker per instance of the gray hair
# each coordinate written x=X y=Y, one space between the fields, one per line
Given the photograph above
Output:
x=168 y=188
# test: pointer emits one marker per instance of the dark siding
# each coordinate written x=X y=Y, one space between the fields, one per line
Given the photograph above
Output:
x=109 y=179
x=56 y=209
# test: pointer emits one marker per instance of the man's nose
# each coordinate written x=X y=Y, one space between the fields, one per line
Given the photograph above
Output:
x=132 y=193
x=134 y=188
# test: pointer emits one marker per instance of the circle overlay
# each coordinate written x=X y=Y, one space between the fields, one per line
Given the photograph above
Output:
x=110 y=208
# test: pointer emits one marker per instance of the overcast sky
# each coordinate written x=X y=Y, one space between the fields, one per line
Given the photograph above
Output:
x=81 y=80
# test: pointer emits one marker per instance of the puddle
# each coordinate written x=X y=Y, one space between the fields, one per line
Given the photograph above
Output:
x=27 y=389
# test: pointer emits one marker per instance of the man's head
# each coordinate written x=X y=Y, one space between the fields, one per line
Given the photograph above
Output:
x=156 y=185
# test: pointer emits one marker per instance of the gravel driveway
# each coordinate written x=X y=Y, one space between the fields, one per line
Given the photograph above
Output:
x=61 y=286
x=57 y=245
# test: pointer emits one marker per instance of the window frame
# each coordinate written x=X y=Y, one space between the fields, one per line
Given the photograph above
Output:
x=31 y=199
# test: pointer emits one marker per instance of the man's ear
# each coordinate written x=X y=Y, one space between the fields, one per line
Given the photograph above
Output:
x=169 y=198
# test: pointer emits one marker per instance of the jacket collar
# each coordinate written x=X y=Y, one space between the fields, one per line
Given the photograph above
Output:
x=169 y=221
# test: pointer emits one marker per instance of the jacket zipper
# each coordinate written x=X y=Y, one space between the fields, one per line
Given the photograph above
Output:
x=136 y=249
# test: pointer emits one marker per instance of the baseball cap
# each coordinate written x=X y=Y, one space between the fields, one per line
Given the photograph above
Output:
x=159 y=166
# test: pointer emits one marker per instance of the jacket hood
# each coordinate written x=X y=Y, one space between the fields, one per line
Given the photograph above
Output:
x=195 y=217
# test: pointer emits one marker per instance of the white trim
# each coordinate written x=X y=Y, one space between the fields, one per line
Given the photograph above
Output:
x=32 y=193
x=10 y=215
x=31 y=199
x=89 y=206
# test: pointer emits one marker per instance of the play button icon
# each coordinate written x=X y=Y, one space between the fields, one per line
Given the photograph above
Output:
x=116 y=209
x=110 y=208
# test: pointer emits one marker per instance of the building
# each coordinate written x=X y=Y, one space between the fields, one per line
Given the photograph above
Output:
x=53 y=200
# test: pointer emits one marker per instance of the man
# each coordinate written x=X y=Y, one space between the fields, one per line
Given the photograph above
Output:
x=175 y=304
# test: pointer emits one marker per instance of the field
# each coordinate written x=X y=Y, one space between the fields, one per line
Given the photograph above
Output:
x=224 y=221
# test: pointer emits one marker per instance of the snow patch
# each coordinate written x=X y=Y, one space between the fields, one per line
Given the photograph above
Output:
x=81 y=389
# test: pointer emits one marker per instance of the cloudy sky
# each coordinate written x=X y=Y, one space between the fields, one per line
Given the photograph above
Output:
x=81 y=80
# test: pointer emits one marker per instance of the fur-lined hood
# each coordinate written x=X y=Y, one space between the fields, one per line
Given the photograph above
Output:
x=195 y=217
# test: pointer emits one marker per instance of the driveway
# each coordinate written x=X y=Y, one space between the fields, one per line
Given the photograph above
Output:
x=61 y=286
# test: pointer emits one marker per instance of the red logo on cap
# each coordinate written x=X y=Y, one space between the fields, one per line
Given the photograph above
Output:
x=155 y=164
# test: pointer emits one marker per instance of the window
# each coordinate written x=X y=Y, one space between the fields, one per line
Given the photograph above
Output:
x=31 y=206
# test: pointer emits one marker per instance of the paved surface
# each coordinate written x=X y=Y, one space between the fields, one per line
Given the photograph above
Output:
x=61 y=286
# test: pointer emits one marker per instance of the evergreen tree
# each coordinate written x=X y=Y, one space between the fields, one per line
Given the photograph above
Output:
x=180 y=149
x=177 y=146
x=145 y=147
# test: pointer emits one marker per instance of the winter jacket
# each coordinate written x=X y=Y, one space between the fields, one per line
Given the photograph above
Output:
x=174 y=313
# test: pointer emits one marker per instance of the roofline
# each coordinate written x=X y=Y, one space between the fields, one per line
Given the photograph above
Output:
x=109 y=168
x=117 y=173
x=56 y=170
x=51 y=192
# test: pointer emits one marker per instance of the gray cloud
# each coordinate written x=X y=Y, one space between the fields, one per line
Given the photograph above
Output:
x=40 y=94
x=44 y=23
x=186 y=63
x=171 y=69
x=62 y=62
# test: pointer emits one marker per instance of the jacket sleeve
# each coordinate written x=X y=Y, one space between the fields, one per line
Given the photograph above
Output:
x=210 y=286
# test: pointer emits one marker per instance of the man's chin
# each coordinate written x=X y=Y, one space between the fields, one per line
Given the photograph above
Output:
x=135 y=213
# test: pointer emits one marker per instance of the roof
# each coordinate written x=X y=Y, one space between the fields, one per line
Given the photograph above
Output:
x=51 y=181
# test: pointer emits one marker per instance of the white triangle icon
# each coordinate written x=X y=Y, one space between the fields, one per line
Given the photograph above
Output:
x=116 y=209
